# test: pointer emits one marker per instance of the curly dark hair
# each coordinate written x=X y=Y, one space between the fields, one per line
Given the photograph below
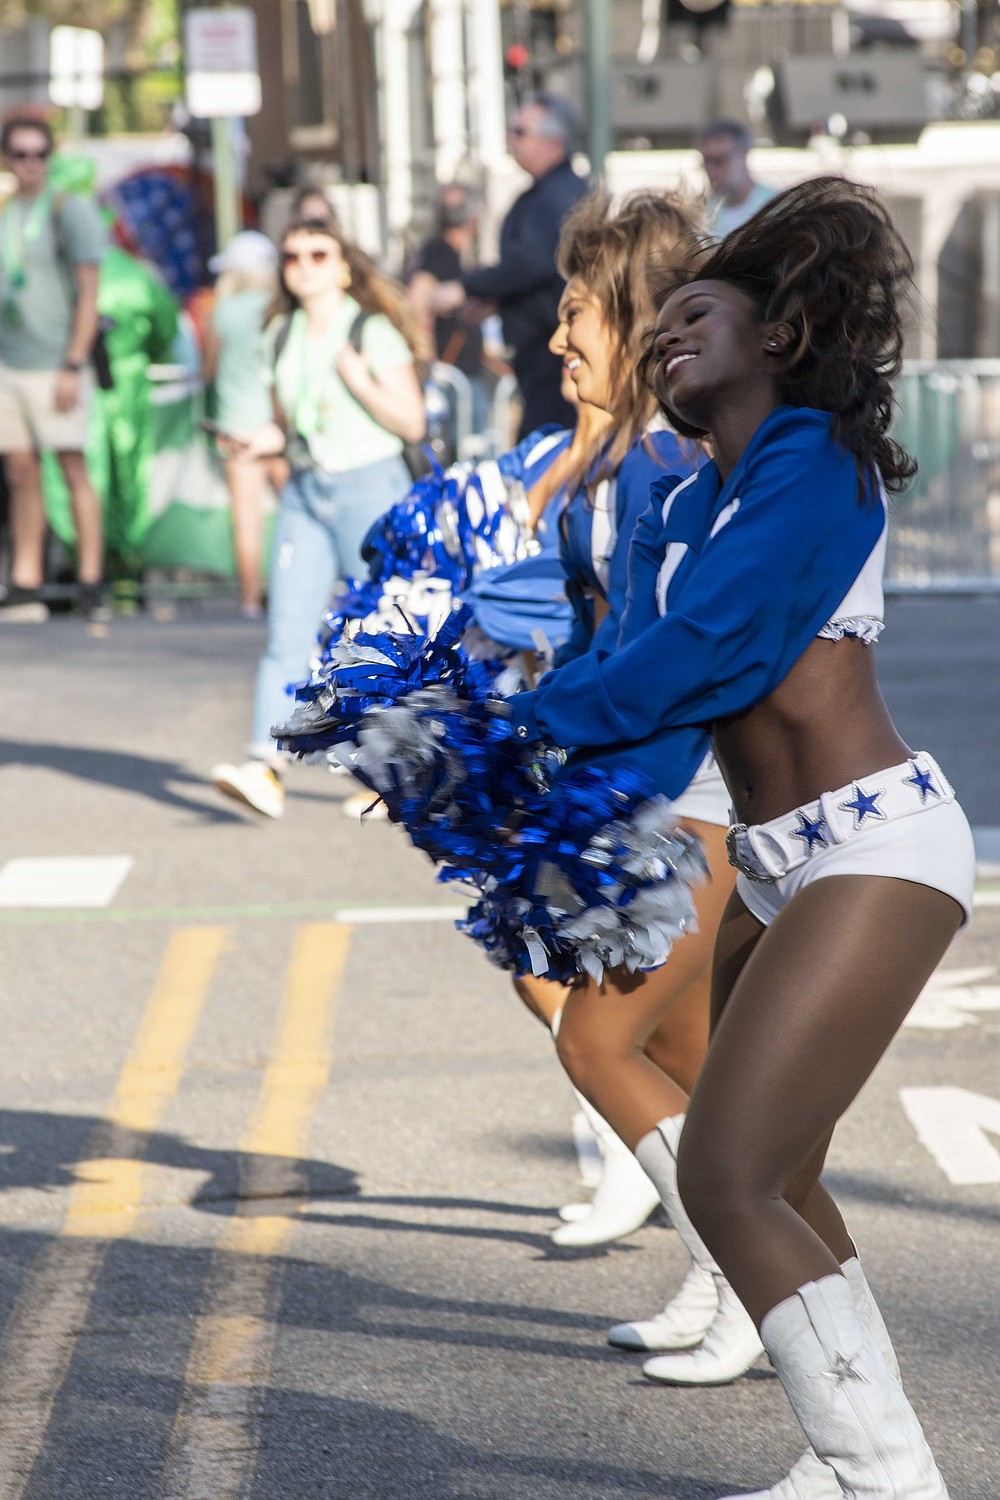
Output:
x=825 y=258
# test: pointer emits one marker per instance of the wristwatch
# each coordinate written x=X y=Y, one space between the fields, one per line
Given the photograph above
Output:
x=74 y=366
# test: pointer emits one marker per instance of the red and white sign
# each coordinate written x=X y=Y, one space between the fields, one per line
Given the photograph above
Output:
x=220 y=53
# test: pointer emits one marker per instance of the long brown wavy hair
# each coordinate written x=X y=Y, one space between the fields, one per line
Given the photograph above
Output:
x=372 y=290
x=623 y=257
x=825 y=258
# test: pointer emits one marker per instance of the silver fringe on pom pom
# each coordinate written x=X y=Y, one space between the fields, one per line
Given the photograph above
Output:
x=400 y=748
x=666 y=863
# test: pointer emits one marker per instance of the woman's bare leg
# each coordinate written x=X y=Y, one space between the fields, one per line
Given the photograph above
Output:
x=246 y=490
x=802 y=1022
x=606 y=1027
x=543 y=997
x=739 y=933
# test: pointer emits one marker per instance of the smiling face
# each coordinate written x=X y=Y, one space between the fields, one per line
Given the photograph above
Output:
x=710 y=346
x=588 y=348
x=311 y=264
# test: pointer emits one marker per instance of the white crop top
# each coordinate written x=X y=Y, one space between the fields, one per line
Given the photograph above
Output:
x=862 y=611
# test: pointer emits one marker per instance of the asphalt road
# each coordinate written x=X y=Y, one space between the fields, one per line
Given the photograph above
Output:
x=280 y=1153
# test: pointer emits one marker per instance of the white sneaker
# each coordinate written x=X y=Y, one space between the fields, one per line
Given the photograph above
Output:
x=363 y=807
x=255 y=783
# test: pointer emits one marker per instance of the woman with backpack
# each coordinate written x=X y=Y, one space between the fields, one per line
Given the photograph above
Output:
x=346 y=399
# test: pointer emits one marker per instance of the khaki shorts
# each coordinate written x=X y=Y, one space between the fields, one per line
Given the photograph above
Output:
x=28 y=416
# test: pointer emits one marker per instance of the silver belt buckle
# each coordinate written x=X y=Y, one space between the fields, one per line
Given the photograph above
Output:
x=732 y=833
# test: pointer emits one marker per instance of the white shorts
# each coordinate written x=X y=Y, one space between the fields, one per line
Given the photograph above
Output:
x=707 y=799
x=28 y=417
x=931 y=846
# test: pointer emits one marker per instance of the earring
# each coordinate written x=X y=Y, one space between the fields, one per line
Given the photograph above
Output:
x=344 y=276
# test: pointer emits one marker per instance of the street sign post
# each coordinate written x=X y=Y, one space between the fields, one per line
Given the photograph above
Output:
x=222 y=81
x=76 y=72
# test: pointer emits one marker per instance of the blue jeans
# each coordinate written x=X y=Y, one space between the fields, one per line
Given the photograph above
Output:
x=322 y=521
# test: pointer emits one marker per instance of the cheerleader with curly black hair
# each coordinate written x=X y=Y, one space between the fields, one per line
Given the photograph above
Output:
x=755 y=599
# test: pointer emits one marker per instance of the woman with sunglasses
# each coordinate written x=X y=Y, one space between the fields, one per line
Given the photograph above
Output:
x=756 y=595
x=346 y=399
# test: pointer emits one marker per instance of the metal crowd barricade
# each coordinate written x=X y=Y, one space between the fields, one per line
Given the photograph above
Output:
x=944 y=532
x=460 y=437
x=459 y=420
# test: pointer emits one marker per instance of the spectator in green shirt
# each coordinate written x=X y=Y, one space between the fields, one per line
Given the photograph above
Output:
x=51 y=246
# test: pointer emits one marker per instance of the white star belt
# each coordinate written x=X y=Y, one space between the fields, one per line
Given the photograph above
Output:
x=766 y=851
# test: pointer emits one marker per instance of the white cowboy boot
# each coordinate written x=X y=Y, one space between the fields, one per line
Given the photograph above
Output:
x=868 y=1308
x=731 y=1343
x=809 y=1478
x=588 y=1160
x=847 y=1398
x=682 y=1324
x=624 y=1197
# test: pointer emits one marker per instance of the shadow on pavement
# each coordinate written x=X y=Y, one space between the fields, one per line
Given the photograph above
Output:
x=375 y=1391
x=142 y=774
x=128 y=1339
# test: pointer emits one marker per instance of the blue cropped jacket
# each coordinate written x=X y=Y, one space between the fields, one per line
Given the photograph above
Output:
x=728 y=584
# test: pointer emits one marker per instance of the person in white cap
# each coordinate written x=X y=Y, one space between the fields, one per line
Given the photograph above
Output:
x=247 y=287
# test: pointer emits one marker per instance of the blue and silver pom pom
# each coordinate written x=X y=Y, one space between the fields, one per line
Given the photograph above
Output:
x=578 y=869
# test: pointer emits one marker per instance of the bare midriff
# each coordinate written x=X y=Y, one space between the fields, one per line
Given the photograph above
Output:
x=824 y=726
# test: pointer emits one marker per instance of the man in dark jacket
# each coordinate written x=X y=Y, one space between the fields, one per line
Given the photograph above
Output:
x=525 y=284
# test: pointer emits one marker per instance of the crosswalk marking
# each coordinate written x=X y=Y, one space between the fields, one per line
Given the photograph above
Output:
x=51 y=1307
x=213 y=1447
x=66 y=881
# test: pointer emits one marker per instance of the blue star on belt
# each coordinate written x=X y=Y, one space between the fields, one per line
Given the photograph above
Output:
x=923 y=781
x=811 y=831
x=864 y=805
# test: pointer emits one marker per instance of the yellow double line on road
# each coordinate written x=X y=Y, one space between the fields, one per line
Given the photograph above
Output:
x=213 y=1447
x=231 y=1349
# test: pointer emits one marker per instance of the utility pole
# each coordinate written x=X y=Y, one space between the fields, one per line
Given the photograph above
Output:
x=597 y=66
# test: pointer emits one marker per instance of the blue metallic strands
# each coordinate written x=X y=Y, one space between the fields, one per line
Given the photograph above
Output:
x=575 y=869
x=423 y=551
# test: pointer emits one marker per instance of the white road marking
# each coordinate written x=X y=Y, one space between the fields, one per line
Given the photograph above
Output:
x=952 y=997
x=359 y=914
x=951 y=1123
x=76 y=882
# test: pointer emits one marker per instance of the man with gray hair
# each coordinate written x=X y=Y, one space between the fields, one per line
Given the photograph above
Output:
x=524 y=284
x=734 y=195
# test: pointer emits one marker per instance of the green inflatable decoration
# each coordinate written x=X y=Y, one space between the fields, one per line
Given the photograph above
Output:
x=165 y=500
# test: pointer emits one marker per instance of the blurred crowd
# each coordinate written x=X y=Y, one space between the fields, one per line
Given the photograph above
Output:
x=82 y=319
